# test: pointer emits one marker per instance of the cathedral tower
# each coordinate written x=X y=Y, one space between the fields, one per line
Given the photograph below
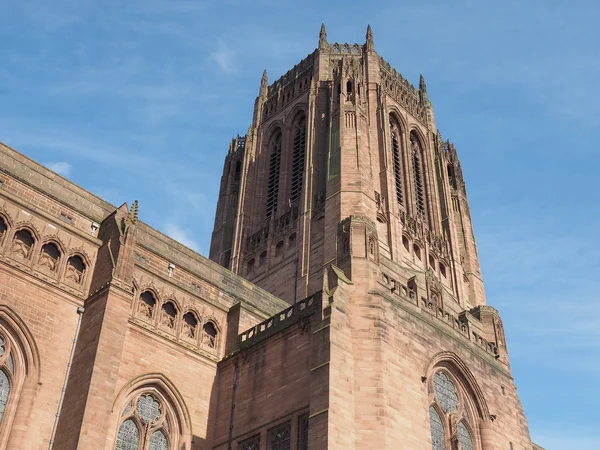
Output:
x=343 y=165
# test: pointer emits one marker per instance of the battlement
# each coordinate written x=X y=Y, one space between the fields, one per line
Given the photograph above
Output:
x=281 y=321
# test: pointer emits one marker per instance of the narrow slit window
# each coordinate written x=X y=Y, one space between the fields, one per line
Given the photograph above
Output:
x=418 y=176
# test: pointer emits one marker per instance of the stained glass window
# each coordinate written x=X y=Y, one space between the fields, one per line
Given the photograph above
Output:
x=158 y=441
x=2 y=350
x=437 y=430
x=148 y=408
x=280 y=437
x=445 y=392
x=252 y=443
x=128 y=437
x=464 y=437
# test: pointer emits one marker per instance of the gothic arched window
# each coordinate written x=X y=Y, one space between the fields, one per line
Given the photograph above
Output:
x=144 y=422
x=449 y=413
x=273 y=180
x=7 y=368
x=189 y=328
x=146 y=305
x=3 y=229
x=397 y=157
x=167 y=315
x=75 y=269
x=22 y=244
x=50 y=256
x=419 y=182
x=438 y=439
x=209 y=335
x=299 y=152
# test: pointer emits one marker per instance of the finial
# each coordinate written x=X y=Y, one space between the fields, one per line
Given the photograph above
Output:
x=423 y=90
x=323 y=36
x=264 y=83
x=370 y=43
x=133 y=212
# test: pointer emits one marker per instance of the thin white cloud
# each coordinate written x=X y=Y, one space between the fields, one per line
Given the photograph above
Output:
x=62 y=168
x=224 y=58
x=180 y=235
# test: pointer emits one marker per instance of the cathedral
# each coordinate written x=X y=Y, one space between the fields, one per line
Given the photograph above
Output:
x=342 y=306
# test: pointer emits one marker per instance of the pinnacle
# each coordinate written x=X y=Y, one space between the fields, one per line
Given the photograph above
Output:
x=323 y=36
x=133 y=212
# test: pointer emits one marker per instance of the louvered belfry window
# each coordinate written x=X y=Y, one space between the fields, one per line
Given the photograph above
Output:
x=418 y=175
x=299 y=152
x=397 y=162
x=273 y=181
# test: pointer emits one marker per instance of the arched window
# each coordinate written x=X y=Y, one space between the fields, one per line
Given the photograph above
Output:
x=262 y=259
x=3 y=229
x=49 y=257
x=273 y=180
x=250 y=266
x=75 y=269
x=299 y=152
x=209 y=335
x=397 y=157
x=189 y=328
x=146 y=305
x=22 y=244
x=438 y=439
x=145 y=421
x=167 y=315
x=7 y=369
x=464 y=437
x=418 y=174
x=449 y=412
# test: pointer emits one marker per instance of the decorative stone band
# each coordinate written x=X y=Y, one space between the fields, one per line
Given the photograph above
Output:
x=460 y=324
x=281 y=321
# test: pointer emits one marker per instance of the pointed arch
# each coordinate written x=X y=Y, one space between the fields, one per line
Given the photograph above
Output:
x=172 y=417
x=298 y=141
x=418 y=166
x=20 y=372
x=274 y=152
x=397 y=149
x=456 y=366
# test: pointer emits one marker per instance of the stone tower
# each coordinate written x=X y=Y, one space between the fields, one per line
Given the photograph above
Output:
x=344 y=200
x=343 y=165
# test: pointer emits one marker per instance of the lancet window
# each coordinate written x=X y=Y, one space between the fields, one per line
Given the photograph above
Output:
x=144 y=424
x=397 y=157
x=419 y=182
x=298 y=158
x=273 y=180
x=7 y=369
x=449 y=414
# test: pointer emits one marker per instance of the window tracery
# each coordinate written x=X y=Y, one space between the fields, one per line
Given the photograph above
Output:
x=190 y=326
x=22 y=244
x=449 y=415
x=146 y=305
x=209 y=335
x=75 y=269
x=167 y=315
x=252 y=443
x=144 y=424
x=7 y=373
x=50 y=256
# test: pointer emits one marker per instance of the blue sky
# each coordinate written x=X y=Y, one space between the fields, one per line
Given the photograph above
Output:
x=139 y=100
